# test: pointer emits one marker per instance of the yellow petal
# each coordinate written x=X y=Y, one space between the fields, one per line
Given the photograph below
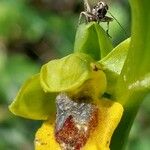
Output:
x=109 y=116
x=45 y=139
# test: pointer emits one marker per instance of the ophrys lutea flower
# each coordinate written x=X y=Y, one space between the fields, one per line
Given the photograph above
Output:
x=69 y=94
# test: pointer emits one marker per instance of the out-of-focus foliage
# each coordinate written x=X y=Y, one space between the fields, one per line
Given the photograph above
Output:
x=18 y=21
x=14 y=132
x=29 y=36
x=33 y=32
x=140 y=133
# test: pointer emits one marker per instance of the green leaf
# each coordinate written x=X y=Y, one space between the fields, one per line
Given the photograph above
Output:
x=67 y=73
x=24 y=22
x=92 y=40
x=32 y=102
x=113 y=63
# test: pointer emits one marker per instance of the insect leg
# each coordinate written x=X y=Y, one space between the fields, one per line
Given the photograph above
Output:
x=108 y=20
x=87 y=15
x=118 y=22
x=107 y=27
x=83 y=13
x=107 y=31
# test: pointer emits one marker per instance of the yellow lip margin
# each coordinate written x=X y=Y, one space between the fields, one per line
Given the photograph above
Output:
x=110 y=113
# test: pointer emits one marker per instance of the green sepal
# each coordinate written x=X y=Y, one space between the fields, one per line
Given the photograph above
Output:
x=32 y=102
x=113 y=63
x=92 y=40
x=104 y=40
x=67 y=73
x=70 y=73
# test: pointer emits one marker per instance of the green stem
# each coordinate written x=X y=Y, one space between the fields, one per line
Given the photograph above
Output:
x=135 y=69
x=133 y=102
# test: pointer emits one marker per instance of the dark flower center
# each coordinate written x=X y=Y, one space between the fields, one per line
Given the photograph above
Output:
x=74 y=122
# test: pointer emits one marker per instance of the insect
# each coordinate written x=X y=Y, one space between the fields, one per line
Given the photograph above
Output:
x=98 y=13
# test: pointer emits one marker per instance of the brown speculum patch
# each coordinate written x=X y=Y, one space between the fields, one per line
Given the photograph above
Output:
x=74 y=122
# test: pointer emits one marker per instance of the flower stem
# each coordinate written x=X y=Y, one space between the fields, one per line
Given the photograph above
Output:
x=131 y=88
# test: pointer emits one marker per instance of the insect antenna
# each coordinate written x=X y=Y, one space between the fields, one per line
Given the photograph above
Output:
x=117 y=22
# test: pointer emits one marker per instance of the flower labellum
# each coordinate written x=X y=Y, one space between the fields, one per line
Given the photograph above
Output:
x=79 y=125
x=74 y=122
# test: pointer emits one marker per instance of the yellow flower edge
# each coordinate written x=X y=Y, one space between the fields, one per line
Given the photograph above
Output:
x=45 y=139
x=110 y=113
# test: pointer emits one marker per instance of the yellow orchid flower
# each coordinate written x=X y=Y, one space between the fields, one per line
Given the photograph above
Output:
x=71 y=100
x=109 y=115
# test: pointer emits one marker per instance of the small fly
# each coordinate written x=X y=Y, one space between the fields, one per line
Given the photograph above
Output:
x=98 y=13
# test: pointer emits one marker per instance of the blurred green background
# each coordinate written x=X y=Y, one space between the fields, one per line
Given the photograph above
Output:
x=33 y=32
